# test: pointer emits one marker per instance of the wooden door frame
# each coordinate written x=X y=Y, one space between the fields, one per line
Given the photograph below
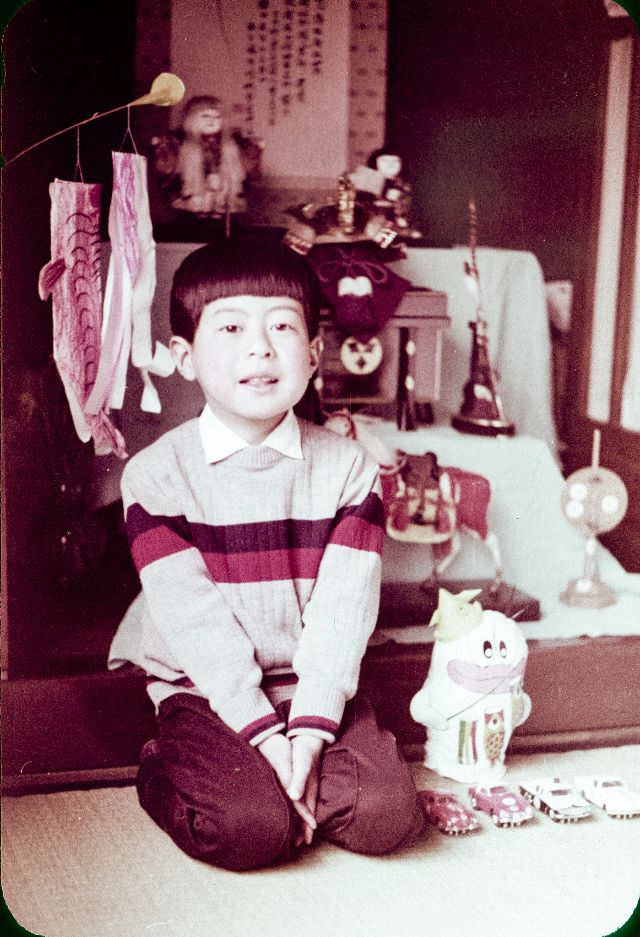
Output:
x=620 y=447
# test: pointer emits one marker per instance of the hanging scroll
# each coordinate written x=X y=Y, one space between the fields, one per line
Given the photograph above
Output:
x=283 y=52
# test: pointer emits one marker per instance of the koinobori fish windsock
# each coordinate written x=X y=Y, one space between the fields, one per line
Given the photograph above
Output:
x=72 y=279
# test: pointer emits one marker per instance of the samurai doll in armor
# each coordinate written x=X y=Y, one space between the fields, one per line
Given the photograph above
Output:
x=199 y=167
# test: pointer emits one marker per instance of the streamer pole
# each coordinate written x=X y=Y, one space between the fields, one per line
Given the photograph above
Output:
x=59 y=133
x=166 y=89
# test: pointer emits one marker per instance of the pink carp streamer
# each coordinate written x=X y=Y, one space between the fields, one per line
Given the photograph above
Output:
x=130 y=287
x=72 y=279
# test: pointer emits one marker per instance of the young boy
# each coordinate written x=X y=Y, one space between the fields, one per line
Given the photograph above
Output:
x=257 y=538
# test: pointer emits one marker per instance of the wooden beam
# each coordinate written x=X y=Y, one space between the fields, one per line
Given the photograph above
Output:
x=630 y=263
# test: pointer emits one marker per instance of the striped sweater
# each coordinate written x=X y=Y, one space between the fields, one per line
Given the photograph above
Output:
x=260 y=574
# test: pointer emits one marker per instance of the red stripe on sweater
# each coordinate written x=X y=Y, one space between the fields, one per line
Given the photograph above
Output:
x=314 y=722
x=155 y=544
x=255 y=728
x=358 y=534
x=264 y=565
x=257 y=552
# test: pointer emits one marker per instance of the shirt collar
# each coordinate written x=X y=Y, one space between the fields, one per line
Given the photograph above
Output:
x=219 y=442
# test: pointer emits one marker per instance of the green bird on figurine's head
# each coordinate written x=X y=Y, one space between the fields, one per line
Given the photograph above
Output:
x=456 y=614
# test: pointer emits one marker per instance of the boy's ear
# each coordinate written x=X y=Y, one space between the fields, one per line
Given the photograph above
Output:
x=316 y=347
x=181 y=354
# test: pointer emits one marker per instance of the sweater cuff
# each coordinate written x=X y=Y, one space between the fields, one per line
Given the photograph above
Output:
x=316 y=709
x=252 y=716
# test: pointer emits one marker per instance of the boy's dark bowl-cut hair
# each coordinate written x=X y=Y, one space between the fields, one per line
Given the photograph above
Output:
x=241 y=267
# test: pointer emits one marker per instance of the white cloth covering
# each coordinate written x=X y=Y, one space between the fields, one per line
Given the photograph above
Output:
x=514 y=302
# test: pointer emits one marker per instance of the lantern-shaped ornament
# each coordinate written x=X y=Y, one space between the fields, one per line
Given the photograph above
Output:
x=594 y=500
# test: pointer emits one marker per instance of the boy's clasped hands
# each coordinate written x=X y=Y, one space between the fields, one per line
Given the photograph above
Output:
x=296 y=763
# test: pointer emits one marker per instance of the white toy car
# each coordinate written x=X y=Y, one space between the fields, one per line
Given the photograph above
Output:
x=610 y=793
x=557 y=798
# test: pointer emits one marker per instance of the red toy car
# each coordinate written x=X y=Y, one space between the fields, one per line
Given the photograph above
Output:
x=505 y=807
x=450 y=815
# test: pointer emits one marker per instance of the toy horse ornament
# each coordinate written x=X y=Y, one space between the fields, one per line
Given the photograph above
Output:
x=433 y=504
x=425 y=502
x=473 y=696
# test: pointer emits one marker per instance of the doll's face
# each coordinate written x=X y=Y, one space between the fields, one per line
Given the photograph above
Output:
x=389 y=165
x=204 y=122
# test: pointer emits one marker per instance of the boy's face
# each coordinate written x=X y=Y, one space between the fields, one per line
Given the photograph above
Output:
x=253 y=360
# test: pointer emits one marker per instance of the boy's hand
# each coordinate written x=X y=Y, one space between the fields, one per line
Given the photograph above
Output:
x=303 y=788
x=277 y=749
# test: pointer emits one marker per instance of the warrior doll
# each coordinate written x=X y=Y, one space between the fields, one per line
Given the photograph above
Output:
x=199 y=167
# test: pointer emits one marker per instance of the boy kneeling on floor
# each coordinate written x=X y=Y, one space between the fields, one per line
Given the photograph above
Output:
x=257 y=538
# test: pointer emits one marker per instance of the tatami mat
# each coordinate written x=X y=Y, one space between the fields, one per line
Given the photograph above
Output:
x=80 y=863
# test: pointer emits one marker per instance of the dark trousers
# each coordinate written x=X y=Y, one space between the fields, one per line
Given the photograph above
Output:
x=221 y=802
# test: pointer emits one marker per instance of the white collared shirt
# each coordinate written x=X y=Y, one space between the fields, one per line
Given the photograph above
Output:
x=219 y=442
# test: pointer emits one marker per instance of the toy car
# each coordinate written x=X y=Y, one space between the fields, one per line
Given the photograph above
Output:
x=448 y=813
x=556 y=798
x=505 y=807
x=611 y=794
